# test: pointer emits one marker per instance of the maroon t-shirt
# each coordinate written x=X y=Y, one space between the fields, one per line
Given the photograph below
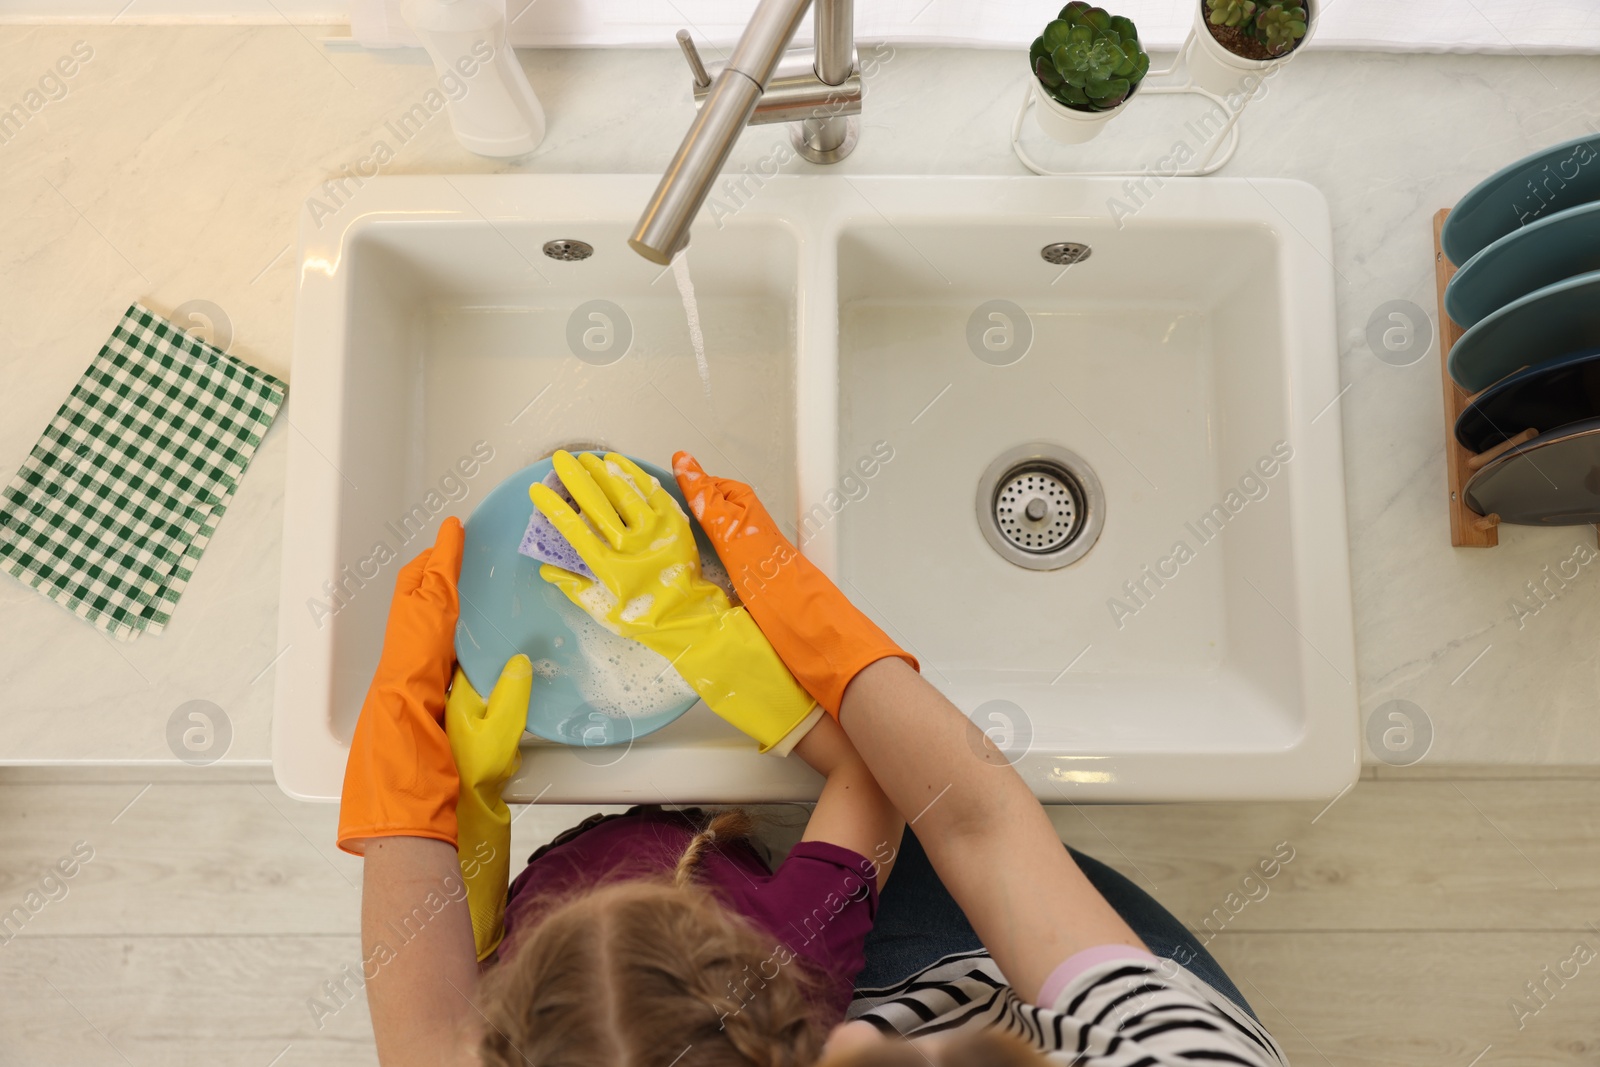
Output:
x=819 y=903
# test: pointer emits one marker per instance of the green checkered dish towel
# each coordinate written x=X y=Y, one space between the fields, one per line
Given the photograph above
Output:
x=112 y=508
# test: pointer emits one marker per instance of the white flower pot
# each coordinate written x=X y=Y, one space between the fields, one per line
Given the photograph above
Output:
x=1069 y=125
x=1217 y=70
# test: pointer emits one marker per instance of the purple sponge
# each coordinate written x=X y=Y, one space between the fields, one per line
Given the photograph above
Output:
x=543 y=542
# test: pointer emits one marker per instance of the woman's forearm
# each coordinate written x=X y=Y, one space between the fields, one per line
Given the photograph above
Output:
x=985 y=833
x=417 y=952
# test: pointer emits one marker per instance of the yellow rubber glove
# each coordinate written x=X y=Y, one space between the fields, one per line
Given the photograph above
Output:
x=649 y=588
x=483 y=740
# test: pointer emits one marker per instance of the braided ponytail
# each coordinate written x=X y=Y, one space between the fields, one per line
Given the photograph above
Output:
x=729 y=825
x=651 y=973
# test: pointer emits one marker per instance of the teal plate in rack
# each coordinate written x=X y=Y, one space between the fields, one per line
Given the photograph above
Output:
x=1539 y=254
x=1550 y=180
x=590 y=687
x=1546 y=323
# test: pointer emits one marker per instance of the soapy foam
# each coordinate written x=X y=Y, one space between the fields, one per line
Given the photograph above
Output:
x=598 y=602
x=635 y=609
x=619 y=677
x=614 y=469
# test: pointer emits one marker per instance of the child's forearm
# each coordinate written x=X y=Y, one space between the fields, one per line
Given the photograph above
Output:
x=985 y=833
x=417 y=953
x=852 y=812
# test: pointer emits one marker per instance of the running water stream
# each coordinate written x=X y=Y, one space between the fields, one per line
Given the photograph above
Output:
x=691 y=311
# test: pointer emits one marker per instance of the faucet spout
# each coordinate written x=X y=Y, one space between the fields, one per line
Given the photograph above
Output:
x=819 y=98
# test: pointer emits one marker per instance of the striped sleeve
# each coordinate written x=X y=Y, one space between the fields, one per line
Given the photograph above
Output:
x=1163 y=1012
x=1119 y=1012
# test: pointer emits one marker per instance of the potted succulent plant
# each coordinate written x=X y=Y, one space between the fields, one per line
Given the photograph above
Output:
x=1237 y=38
x=1086 y=64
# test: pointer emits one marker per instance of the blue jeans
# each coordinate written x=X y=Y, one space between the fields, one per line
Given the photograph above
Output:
x=919 y=923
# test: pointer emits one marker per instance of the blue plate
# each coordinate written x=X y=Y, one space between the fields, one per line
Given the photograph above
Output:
x=1552 y=480
x=1559 y=318
x=1539 y=254
x=590 y=687
x=1554 y=394
x=1551 y=180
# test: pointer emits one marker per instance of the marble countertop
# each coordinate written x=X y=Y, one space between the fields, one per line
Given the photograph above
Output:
x=173 y=164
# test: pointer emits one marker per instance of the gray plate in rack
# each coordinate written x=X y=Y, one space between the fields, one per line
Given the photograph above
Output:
x=1552 y=480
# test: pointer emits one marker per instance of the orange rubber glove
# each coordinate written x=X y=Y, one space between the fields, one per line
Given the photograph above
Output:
x=822 y=637
x=400 y=779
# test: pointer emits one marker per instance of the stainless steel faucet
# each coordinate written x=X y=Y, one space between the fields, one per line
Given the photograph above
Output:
x=761 y=82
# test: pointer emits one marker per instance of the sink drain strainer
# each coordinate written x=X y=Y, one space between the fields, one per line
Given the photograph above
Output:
x=1037 y=510
x=568 y=249
x=1040 y=506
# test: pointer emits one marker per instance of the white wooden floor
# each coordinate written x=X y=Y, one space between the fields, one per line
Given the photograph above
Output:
x=1414 y=913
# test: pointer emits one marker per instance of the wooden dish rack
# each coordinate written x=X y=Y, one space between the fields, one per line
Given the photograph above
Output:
x=1468 y=529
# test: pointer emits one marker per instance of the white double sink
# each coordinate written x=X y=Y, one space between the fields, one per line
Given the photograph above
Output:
x=1201 y=649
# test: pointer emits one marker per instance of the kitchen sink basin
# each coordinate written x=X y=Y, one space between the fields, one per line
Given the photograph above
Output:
x=1180 y=364
x=893 y=363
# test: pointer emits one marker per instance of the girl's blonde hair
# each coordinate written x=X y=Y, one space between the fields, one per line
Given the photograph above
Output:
x=649 y=973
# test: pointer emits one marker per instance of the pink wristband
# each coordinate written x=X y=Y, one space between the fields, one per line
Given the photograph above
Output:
x=1077 y=964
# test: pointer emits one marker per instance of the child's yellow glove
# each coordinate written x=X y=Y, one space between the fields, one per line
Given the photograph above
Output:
x=483 y=740
x=649 y=588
